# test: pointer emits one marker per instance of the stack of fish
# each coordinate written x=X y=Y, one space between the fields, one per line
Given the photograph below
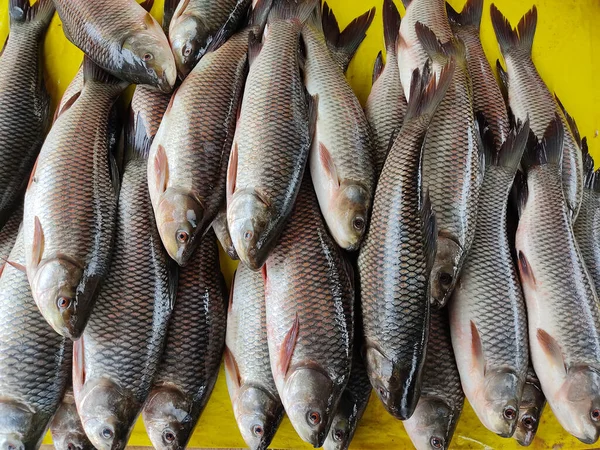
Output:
x=378 y=248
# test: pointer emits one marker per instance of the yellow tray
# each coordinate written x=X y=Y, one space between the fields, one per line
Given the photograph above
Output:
x=566 y=37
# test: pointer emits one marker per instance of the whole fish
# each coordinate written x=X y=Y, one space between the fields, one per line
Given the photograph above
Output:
x=341 y=163
x=562 y=306
x=396 y=258
x=221 y=229
x=121 y=37
x=433 y=423
x=68 y=249
x=117 y=357
x=35 y=362
x=411 y=53
x=530 y=409
x=587 y=225
x=192 y=355
x=488 y=322
x=529 y=96
x=256 y=403
x=8 y=234
x=67 y=430
x=386 y=105
x=487 y=97
x=310 y=297
x=196 y=23
x=452 y=168
x=25 y=116
x=187 y=168
x=272 y=138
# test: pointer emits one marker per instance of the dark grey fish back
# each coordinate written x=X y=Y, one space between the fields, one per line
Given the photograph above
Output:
x=587 y=234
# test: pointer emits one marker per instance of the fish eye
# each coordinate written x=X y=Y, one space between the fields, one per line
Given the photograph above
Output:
x=107 y=433
x=70 y=446
x=436 y=442
x=595 y=414
x=509 y=413
x=182 y=236
x=168 y=436
x=528 y=422
x=314 y=418
x=382 y=393
x=248 y=235
x=358 y=223
x=187 y=50
x=338 y=435
x=445 y=279
x=148 y=56
x=258 y=430
x=63 y=303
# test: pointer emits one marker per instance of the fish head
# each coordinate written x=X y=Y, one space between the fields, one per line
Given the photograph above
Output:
x=147 y=57
x=432 y=424
x=502 y=392
x=249 y=218
x=343 y=425
x=16 y=426
x=54 y=287
x=351 y=212
x=179 y=218
x=71 y=441
x=445 y=270
x=107 y=414
x=189 y=38
x=258 y=414
x=530 y=410
x=308 y=396
x=168 y=419
x=389 y=384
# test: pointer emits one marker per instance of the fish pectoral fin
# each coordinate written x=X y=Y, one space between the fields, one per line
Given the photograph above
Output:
x=161 y=169
x=78 y=367
x=37 y=250
x=287 y=348
x=232 y=171
x=525 y=269
x=328 y=165
x=477 y=350
x=551 y=349
x=16 y=265
x=232 y=368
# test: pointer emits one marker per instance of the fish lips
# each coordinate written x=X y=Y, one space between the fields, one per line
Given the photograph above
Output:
x=258 y=414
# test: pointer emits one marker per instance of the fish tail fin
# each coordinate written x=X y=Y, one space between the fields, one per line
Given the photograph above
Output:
x=512 y=149
x=406 y=3
x=40 y=13
x=518 y=39
x=391 y=26
x=549 y=150
x=168 y=12
x=378 y=67
x=138 y=141
x=147 y=5
x=94 y=73
x=470 y=16
x=342 y=44
x=503 y=78
x=437 y=51
x=259 y=14
x=425 y=93
x=299 y=10
x=591 y=178
x=570 y=121
x=430 y=230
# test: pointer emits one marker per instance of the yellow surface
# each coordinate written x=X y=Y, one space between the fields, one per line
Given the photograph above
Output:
x=563 y=51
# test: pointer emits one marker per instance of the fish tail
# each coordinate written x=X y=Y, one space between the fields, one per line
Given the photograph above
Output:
x=391 y=26
x=147 y=4
x=138 y=141
x=378 y=67
x=548 y=150
x=259 y=14
x=406 y=3
x=438 y=51
x=470 y=16
x=518 y=39
x=591 y=178
x=94 y=73
x=40 y=13
x=292 y=10
x=511 y=151
x=168 y=12
x=425 y=93
x=342 y=44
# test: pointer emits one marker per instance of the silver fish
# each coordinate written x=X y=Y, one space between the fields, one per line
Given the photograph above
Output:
x=67 y=430
x=530 y=409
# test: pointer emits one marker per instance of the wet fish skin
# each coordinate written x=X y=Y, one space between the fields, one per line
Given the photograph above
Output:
x=184 y=381
x=122 y=38
x=25 y=117
x=68 y=250
x=221 y=229
x=195 y=23
x=530 y=409
x=434 y=421
x=386 y=105
x=256 y=403
x=67 y=430
x=400 y=246
x=187 y=167
x=529 y=96
x=8 y=234
x=262 y=180
x=562 y=306
x=35 y=362
x=309 y=299
x=488 y=321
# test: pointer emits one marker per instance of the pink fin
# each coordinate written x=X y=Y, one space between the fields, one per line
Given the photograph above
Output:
x=161 y=169
x=231 y=293
x=527 y=275
x=78 y=367
x=17 y=266
x=232 y=171
x=232 y=367
x=263 y=271
x=477 y=349
x=289 y=344
x=551 y=348
x=328 y=164
x=38 y=243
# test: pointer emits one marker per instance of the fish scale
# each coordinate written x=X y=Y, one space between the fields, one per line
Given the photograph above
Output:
x=149 y=105
x=8 y=234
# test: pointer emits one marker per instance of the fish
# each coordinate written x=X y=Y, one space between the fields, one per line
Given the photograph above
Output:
x=118 y=355
x=25 y=118
x=272 y=137
x=187 y=167
x=386 y=104
x=35 y=362
x=411 y=53
x=530 y=409
x=190 y=363
x=309 y=294
x=121 y=37
x=562 y=305
x=8 y=235
x=586 y=227
x=196 y=23
x=488 y=322
x=256 y=403
x=340 y=158
x=66 y=428
x=529 y=97
x=452 y=168
x=221 y=229
x=400 y=246
x=433 y=423
x=67 y=251
x=487 y=96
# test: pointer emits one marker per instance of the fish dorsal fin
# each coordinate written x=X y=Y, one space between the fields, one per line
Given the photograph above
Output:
x=288 y=345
